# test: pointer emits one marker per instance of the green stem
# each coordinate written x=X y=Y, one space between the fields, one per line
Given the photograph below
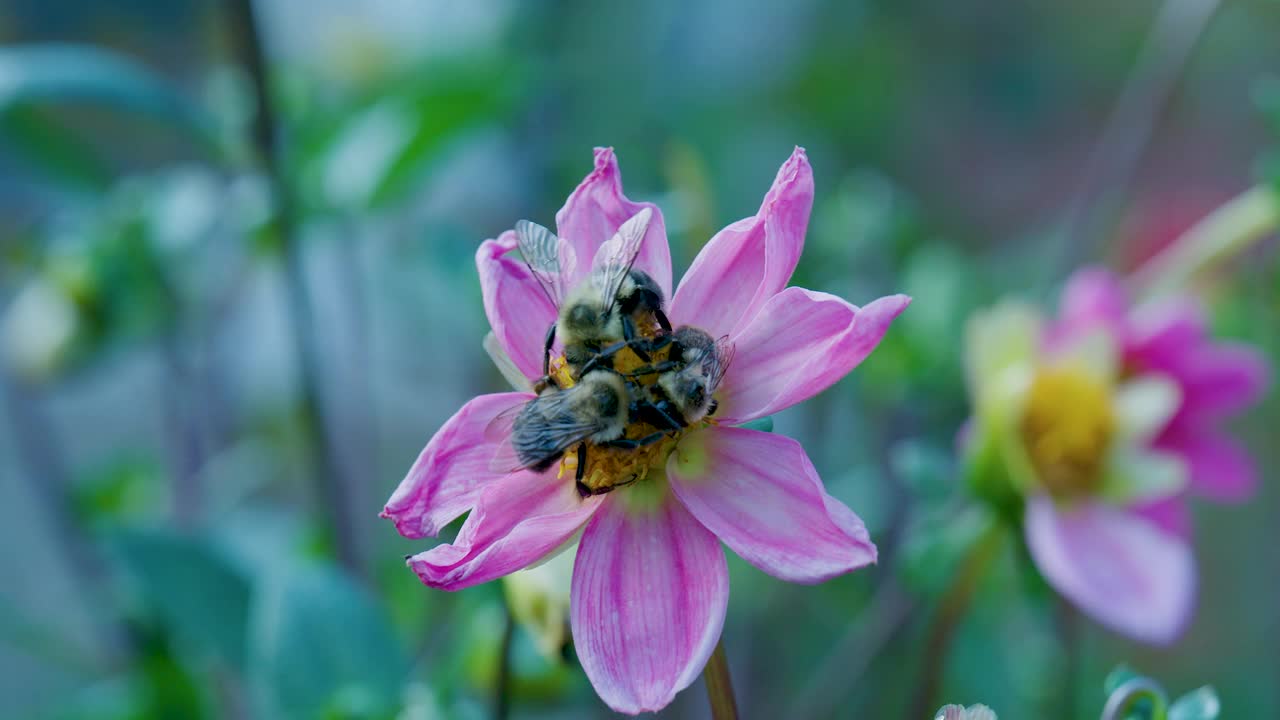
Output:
x=720 y=685
x=502 y=685
x=1227 y=231
x=951 y=610
x=333 y=490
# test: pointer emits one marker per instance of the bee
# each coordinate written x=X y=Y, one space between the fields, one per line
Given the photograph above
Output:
x=616 y=302
x=683 y=392
x=596 y=411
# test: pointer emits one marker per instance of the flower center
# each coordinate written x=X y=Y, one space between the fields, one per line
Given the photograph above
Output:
x=612 y=467
x=1067 y=429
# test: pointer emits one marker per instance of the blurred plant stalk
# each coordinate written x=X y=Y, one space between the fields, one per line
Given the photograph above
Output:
x=333 y=490
x=1227 y=232
x=720 y=685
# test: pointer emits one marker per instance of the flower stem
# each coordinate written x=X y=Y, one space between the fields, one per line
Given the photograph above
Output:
x=951 y=610
x=502 y=685
x=720 y=685
x=331 y=486
x=1227 y=231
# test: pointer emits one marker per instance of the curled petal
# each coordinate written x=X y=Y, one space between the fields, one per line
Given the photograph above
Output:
x=1170 y=515
x=650 y=588
x=517 y=521
x=519 y=311
x=797 y=346
x=448 y=476
x=1220 y=467
x=759 y=493
x=1118 y=567
x=751 y=260
x=595 y=211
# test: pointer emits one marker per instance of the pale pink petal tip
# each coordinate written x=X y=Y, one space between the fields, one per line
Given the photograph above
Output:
x=517 y=521
x=760 y=494
x=451 y=471
x=650 y=589
x=750 y=261
x=597 y=208
x=800 y=344
x=1118 y=567
x=519 y=311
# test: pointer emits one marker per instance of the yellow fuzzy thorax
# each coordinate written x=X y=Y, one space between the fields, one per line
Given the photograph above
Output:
x=1067 y=428
x=608 y=468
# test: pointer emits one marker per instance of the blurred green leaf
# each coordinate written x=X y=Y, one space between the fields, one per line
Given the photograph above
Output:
x=192 y=587
x=321 y=647
x=1201 y=704
x=937 y=542
x=56 y=150
x=926 y=470
x=48 y=74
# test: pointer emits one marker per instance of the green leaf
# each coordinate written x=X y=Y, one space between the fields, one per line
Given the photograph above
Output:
x=43 y=75
x=1201 y=704
x=764 y=424
x=191 y=587
x=321 y=647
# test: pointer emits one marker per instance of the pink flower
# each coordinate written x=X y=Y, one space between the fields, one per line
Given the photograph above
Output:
x=1102 y=420
x=650 y=583
x=1214 y=379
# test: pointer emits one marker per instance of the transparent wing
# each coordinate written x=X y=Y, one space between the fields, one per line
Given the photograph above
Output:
x=549 y=258
x=724 y=356
x=614 y=259
x=545 y=431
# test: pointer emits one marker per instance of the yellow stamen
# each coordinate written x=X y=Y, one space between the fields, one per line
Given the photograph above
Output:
x=1067 y=429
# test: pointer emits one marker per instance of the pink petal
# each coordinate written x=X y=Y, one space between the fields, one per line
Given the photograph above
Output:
x=519 y=311
x=750 y=261
x=1092 y=297
x=1117 y=567
x=1169 y=514
x=451 y=471
x=596 y=209
x=797 y=346
x=759 y=493
x=1221 y=468
x=650 y=588
x=517 y=521
x=1162 y=333
x=1221 y=379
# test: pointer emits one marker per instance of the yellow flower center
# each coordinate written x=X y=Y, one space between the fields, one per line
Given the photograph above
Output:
x=608 y=467
x=1067 y=428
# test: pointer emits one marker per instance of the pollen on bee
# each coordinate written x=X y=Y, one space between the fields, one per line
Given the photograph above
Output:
x=609 y=467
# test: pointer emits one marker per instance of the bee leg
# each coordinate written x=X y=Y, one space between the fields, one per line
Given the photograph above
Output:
x=657 y=414
x=661 y=367
x=581 y=472
x=629 y=334
x=546 y=350
x=663 y=322
x=633 y=444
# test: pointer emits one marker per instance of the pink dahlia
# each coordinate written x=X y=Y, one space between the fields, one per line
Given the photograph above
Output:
x=1214 y=379
x=650 y=584
x=1100 y=422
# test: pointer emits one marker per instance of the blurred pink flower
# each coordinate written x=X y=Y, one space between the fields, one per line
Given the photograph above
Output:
x=1104 y=418
x=650 y=582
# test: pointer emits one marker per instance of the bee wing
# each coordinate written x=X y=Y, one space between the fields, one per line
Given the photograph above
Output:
x=543 y=434
x=549 y=258
x=724 y=355
x=614 y=259
x=499 y=433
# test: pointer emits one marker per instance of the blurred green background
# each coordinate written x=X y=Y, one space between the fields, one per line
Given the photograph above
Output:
x=208 y=394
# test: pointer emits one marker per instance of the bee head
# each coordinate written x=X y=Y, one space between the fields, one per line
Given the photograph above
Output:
x=688 y=391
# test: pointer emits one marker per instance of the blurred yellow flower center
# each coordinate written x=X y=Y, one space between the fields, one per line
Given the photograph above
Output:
x=609 y=468
x=1067 y=429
